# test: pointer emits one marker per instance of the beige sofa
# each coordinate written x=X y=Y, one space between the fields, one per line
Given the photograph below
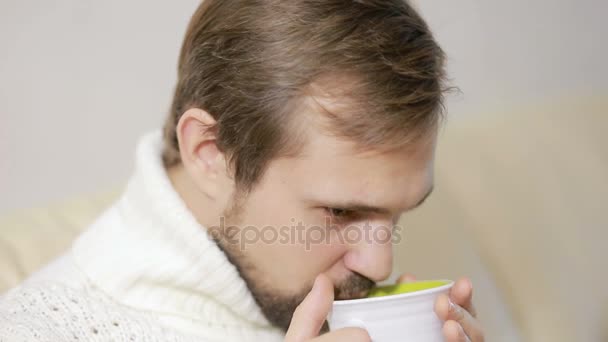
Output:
x=520 y=207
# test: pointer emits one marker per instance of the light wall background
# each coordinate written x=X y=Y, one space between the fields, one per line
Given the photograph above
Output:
x=81 y=80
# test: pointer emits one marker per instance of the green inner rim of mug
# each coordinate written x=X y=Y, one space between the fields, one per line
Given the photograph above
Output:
x=390 y=290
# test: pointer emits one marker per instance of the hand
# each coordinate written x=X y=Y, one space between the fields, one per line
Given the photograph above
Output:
x=310 y=315
x=456 y=311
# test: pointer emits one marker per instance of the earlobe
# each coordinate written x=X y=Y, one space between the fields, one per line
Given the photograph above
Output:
x=200 y=155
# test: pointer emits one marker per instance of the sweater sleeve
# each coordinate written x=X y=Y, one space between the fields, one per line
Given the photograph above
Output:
x=24 y=317
x=51 y=312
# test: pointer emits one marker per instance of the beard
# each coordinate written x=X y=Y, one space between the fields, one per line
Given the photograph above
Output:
x=278 y=307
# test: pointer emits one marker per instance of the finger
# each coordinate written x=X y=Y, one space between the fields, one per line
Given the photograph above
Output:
x=448 y=311
x=462 y=294
x=452 y=331
x=406 y=278
x=309 y=316
x=345 y=334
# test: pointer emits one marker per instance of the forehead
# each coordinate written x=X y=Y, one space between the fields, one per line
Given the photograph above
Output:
x=334 y=169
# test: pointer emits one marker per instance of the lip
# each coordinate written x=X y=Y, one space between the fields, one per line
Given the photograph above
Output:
x=449 y=284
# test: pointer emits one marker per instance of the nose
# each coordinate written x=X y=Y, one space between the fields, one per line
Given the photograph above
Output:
x=370 y=251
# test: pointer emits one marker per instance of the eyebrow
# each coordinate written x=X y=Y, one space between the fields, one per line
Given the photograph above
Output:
x=362 y=207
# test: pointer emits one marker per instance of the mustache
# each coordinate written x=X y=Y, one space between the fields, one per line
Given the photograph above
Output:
x=355 y=286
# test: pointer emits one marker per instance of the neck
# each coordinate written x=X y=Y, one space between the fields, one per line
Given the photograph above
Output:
x=149 y=252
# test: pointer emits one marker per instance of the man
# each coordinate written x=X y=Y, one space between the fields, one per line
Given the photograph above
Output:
x=294 y=126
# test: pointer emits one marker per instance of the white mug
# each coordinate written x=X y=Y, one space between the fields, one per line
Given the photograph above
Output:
x=406 y=317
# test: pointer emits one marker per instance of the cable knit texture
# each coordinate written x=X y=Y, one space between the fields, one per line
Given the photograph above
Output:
x=144 y=271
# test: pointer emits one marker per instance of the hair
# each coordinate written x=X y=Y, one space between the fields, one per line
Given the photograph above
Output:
x=250 y=64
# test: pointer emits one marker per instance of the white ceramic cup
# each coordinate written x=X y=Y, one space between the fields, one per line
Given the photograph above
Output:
x=406 y=317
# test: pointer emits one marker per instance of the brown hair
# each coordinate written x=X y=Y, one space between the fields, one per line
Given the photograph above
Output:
x=249 y=63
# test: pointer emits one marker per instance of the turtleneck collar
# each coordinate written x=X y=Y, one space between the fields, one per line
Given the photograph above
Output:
x=149 y=252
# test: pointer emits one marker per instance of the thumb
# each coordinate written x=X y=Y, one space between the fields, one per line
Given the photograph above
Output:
x=309 y=316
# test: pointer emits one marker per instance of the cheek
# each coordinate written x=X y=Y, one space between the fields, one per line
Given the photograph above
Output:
x=319 y=251
x=300 y=249
x=303 y=261
x=296 y=257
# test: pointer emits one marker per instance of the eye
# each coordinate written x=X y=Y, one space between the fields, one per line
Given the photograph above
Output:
x=337 y=212
x=340 y=214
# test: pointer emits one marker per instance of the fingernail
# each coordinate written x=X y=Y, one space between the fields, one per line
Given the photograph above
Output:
x=455 y=311
x=452 y=307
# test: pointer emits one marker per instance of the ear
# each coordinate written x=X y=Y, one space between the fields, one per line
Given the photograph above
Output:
x=201 y=158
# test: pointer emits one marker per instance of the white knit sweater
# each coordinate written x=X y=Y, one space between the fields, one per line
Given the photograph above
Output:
x=144 y=271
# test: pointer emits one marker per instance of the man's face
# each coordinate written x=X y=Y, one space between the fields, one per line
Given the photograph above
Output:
x=329 y=210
